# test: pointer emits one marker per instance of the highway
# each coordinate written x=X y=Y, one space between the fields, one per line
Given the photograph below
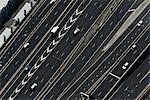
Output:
x=86 y=54
x=22 y=55
x=137 y=81
x=66 y=47
x=101 y=48
x=104 y=88
x=17 y=41
x=72 y=44
x=87 y=78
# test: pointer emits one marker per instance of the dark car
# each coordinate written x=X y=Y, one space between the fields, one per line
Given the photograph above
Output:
x=24 y=36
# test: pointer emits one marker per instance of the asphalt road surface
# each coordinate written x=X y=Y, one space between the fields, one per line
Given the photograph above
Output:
x=88 y=81
x=83 y=58
x=103 y=77
x=17 y=61
x=105 y=87
x=138 y=80
x=17 y=41
x=64 y=47
x=92 y=16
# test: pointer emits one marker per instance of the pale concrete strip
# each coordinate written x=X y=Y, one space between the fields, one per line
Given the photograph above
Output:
x=127 y=23
x=143 y=92
x=3 y=3
x=126 y=71
x=30 y=75
x=115 y=92
x=114 y=65
x=49 y=83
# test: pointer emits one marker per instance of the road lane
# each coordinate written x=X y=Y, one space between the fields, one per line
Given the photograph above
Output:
x=17 y=40
x=133 y=86
x=69 y=44
x=82 y=59
x=73 y=70
x=44 y=30
x=36 y=30
x=88 y=17
x=99 y=70
x=76 y=25
x=140 y=49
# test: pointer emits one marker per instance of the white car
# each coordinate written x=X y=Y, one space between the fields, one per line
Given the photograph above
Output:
x=26 y=45
x=76 y=31
x=134 y=46
x=139 y=23
x=54 y=29
x=125 y=65
x=33 y=86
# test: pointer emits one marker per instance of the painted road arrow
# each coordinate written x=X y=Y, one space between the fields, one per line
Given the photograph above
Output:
x=17 y=90
x=36 y=66
x=29 y=74
x=43 y=58
x=23 y=82
x=50 y=48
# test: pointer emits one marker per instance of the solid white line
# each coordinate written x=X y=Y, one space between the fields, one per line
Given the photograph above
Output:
x=116 y=91
x=115 y=75
x=36 y=47
x=18 y=31
x=144 y=76
x=125 y=71
x=20 y=47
